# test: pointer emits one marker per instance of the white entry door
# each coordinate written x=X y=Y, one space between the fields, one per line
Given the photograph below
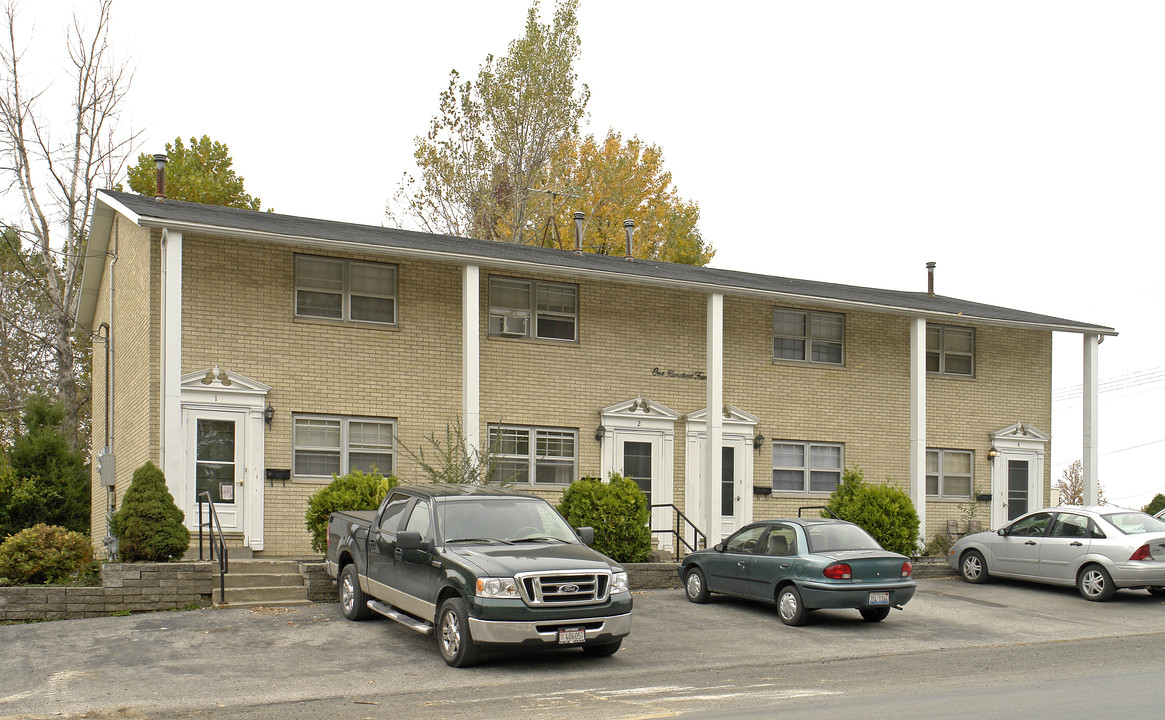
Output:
x=216 y=462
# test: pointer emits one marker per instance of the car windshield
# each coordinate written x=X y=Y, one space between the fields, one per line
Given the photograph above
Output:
x=830 y=537
x=1134 y=523
x=501 y=520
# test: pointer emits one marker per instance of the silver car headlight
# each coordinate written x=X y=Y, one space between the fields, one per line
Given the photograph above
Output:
x=497 y=588
x=619 y=583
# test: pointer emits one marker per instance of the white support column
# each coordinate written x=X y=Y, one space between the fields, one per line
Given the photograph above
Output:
x=715 y=419
x=171 y=441
x=471 y=356
x=1091 y=419
x=918 y=421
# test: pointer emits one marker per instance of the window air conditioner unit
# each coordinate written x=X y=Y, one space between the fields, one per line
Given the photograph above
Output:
x=514 y=325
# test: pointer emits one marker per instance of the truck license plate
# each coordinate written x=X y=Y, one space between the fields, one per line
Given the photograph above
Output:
x=571 y=636
x=879 y=598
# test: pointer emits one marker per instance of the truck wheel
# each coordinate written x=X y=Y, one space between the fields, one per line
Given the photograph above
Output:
x=453 y=638
x=353 y=601
x=603 y=650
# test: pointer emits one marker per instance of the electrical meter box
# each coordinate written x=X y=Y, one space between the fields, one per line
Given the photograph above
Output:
x=105 y=465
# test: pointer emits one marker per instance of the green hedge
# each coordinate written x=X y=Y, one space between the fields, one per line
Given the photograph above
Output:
x=885 y=512
x=44 y=554
x=354 y=491
x=618 y=512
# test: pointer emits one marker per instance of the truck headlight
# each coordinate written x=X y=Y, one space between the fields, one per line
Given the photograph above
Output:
x=497 y=588
x=619 y=582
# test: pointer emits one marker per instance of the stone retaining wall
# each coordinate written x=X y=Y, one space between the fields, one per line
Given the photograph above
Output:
x=125 y=587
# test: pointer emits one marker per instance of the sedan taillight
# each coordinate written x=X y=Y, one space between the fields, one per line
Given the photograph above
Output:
x=839 y=571
x=907 y=569
x=1142 y=553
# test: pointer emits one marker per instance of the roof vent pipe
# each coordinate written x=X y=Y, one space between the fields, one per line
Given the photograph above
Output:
x=930 y=279
x=629 y=228
x=160 y=185
x=579 y=222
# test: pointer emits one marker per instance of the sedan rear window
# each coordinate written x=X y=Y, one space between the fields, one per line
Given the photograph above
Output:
x=827 y=538
x=1134 y=523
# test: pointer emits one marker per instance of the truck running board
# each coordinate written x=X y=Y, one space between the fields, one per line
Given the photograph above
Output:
x=408 y=621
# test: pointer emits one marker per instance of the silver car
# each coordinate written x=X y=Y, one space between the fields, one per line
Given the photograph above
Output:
x=1097 y=549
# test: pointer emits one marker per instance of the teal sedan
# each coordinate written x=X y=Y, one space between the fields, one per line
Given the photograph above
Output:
x=802 y=564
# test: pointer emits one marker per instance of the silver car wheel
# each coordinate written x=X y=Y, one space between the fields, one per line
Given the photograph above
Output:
x=788 y=606
x=450 y=633
x=972 y=567
x=693 y=585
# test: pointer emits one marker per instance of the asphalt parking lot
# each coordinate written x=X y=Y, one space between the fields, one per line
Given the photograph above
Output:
x=222 y=658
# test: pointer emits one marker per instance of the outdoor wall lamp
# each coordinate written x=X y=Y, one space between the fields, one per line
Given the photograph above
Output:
x=600 y=431
x=992 y=453
x=758 y=441
x=268 y=414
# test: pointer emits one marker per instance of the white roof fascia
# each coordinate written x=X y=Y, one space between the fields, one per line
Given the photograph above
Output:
x=462 y=259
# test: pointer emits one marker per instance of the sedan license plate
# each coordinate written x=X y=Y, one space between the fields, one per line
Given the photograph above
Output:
x=571 y=636
x=879 y=598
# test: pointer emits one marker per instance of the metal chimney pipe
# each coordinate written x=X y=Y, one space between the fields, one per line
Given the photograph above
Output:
x=629 y=228
x=579 y=221
x=160 y=185
x=930 y=279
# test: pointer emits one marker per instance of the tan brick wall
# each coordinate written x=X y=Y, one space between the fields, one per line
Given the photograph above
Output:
x=135 y=331
x=238 y=313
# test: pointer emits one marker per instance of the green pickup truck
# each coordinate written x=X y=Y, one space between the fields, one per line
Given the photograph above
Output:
x=481 y=565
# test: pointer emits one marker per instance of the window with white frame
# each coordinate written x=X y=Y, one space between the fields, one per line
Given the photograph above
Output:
x=525 y=308
x=328 y=445
x=533 y=455
x=813 y=337
x=338 y=289
x=806 y=466
x=948 y=473
x=950 y=350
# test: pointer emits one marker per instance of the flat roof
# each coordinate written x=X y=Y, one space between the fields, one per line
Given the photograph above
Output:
x=297 y=231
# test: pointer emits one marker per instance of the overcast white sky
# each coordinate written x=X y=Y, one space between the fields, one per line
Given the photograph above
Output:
x=1017 y=144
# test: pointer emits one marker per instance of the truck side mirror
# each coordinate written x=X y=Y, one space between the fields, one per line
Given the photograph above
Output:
x=586 y=535
x=410 y=540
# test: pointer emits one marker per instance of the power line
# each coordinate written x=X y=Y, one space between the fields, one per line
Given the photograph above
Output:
x=1134 y=379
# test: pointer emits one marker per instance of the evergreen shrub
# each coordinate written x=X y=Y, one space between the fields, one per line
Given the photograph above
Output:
x=44 y=554
x=885 y=512
x=618 y=512
x=148 y=527
x=354 y=491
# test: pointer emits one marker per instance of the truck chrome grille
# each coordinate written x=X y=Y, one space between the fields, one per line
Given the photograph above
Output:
x=564 y=588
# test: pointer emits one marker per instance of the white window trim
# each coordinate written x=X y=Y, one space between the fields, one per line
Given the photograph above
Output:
x=345 y=448
x=532 y=457
x=531 y=313
x=942 y=495
x=808 y=337
x=942 y=351
x=808 y=446
x=346 y=290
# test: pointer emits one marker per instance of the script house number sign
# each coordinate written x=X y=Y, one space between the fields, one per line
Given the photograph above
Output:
x=685 y=375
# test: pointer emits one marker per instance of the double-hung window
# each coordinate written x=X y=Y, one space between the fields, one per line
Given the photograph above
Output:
x=532 y=455
x=800 y=467
x=337 y=289
x=329 y=445
x=526 y=308
x=948 y=473
x=813 y=337
x=950 y=350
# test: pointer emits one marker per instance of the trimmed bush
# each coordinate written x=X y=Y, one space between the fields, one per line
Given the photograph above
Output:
x=354 y=491
x=618 y=512
x=885 y=512
x=44 y=554
x=148 y=527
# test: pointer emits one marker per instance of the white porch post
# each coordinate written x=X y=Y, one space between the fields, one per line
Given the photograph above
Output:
x=715 y=417
x=1091 y=419
x=470 y=356
x=171 y=445
x=918 y=421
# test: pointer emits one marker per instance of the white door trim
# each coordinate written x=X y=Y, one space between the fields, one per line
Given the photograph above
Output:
x=1017 y=442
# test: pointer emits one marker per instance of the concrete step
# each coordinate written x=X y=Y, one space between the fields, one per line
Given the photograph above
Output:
x=251 y=582
x=237 y=579
x=266 y=595
x=263 y=566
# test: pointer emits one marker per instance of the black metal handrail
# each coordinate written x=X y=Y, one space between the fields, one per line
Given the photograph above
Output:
x=216 y=538
x=679 y=528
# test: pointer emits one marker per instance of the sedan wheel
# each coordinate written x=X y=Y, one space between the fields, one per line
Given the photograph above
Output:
x=1157 y=591
x=789 y=606
x=874 y=614
x=695 y=587
x=973 y=568
x=1095 y=584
